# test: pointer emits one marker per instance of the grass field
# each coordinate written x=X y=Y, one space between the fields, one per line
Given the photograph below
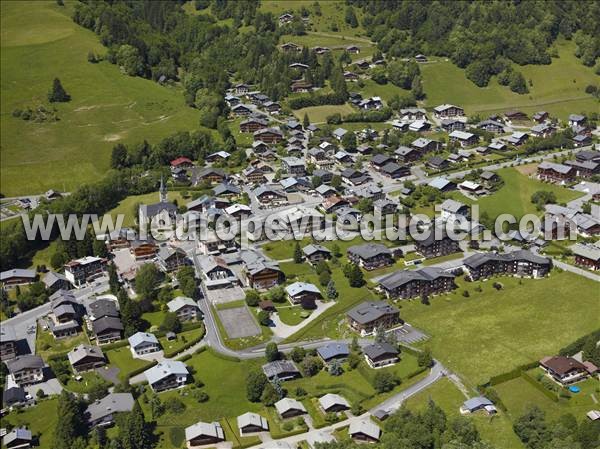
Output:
x=494 y=331
x=39 y=42
x=122 y=359
x=514 y=197
x=496 y=431
x=319 y=114
x=128 y=208
x=46 y=345
x=557 y=88
x=372 y=89
x=40 y=419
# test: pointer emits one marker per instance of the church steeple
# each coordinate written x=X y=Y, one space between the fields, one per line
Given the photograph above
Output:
x=162 y=191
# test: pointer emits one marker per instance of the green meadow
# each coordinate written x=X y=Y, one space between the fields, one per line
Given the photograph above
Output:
x=39 y=42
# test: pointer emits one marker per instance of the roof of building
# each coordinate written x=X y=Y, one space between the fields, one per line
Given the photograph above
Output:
x=562 y=365
x=301 y=287
x=591 y=252
x=103 y=307
x=18 y=273
x=367 y=312
x=180 y=301
x=477 y=403
x=7 y=333
x=28 y=361
x=479 y=259
x=461 y=135
x=213 y=430
x=17 y=434
x=287 y=404
x=330 y=399
x=142 y=337
x=439 y=183
x=109 y=404
x=82 y=351
x=377 y=350
x=313 y=248
x=401 y=277
x=365 y=427
x=333 y=350
x=452 y=206
x=252 y=419
x=274 y=369
x=560 y=168
x=107 y=323
x=164 y=369
x=53 y=277
x=369 y=250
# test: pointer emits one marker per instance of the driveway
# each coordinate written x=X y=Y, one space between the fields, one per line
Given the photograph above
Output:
x=50 y=387
x=282 y=330
x=109 y=373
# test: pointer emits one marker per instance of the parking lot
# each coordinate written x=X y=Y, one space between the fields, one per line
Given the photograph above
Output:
x=238 y=322
x=225 y=295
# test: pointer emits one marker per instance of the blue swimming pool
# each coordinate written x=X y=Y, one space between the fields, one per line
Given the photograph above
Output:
x=574 y=389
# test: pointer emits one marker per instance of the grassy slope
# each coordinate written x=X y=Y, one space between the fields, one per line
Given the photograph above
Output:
x=40 y=42
x=553 y=88
x=497 y=431
x=492 y=332
x=40 y=419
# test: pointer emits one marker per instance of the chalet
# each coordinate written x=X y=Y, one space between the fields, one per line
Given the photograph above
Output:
x=553 y=172
x=381 y=354
x=142 y=343
x=102 y=411
x=400 y=126
x=299 y=66
x=350 y=76
x=253 y=175
x=251 y=423
x=489 y=177
x=564 y=370
x=586 y=255
x=363 y=64
x=18 y=438
x=185 y=308
x=143 y=249
x=471 y=187
x=442 y=184
x=301 y=86
x=476 y=404
x=557 y=217
x=262 y=274
x=465 y=139
x=216 y=272
x=353 y=49
x=437 y=163
x=107 y=329
x=218 y=156
x=419 y=126
x=8 y=343
x=182 y=162
x=540 y=117
x=85 y=357
x=517 y=138
x=333 y=351
x=364 y=148
x=585 y=169
x=232 y=100
x=366 y=317
x=373 y=103
x=585 y=156
x=497 y=146
x=407 y=284
x=412 y=114
x=315 y=253
x=353 y=177
x=120 y=238
x=395 y=171
x=420 y=58
x=281 y=369
x=14 y=396
x=211 y=175
x=259 y=146
x=407 y=154
x=272 y=107
x=268 y=135
x=290 y=46
x=167 y=375
x=543 y=130
x=319 y=157
x=370 y=256
x=384 y=207
x=26 y=369
x=450 y=124
x=334 y=203
x=333 y=403
x=321 y=50
x=379 y=160
x=241 y=110
x=324 y=175
x=80 y=271
x=521 y=263
x=491 y=126
x=267 y=195
x=289 y=408
x=304 y=294
x=448 y=110
x=576 y=120
x=339 y=133
x=581 y=140
x=364 y=431
x=342 y=157
x=202 y=434
x=436 y=243
x=514 y=116
x=425 y=145
x=453 y=210
x=258 y=98
x=241 y=89
x=293 y=166
x=253 y=124
x=238 y=211
x=17 y=276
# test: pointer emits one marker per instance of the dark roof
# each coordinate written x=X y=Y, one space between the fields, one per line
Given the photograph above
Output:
x=369 y=250
x=380 y=159
x=279 y=367
x=479 y=259
x=107 y=323
x=333 y=350
x=562 y=365
x=402 y=277
x=102 y=308
x=367 y=312
x=377 y=350
x=25 y=362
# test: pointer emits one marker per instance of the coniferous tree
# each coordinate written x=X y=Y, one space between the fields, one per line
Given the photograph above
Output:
x=297 y=253
x=135 y=433
x=58 y=94
x=332 y=292
x=70 y=425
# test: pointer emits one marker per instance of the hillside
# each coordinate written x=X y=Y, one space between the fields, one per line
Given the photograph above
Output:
x=39 y=42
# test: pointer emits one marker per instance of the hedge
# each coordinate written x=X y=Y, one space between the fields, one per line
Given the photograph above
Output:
x=139 y=370
x=510 y=375
x=550 y=395
x=578 y=344
x=115 y=345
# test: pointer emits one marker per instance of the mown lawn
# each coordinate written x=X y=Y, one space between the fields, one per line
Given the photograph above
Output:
x=46 y=345
x=129 y=206
x=493 y=331
x=514 y=197
x=291 y=315
x=39 y=42
x=41 y=419
x=557 y=88
x=122 y=359
x=496 y=431
x=319 y=114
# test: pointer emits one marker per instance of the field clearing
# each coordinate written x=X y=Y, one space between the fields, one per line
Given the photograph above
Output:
x=41 y=42
x=372 y=89
x=128 y=207
x=496 y=431
x=494 y=331
x=319 y=114
x=41 y=419
x=557 y=88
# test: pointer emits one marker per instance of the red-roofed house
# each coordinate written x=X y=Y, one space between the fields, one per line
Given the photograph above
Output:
x=181 y=162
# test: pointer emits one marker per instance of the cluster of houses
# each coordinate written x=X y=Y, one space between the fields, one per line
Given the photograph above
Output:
x=585 y=165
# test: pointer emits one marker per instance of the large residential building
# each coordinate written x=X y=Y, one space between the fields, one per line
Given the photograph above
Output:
x=381 y=354
x=26 y=369
x=369 y=316
x=370 y=256
x=436 y=244
x=553 y=172
x=586 y=255
x=80 y=271
x=185 y=308
x=518 y=263
x=406 y=284
x=142 y=343
x=17 y=276
x=8 y=343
